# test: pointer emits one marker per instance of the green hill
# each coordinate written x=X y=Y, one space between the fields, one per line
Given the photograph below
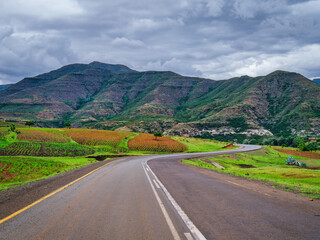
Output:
x=105 y=96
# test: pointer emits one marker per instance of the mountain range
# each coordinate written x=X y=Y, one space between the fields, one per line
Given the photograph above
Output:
x=115 y=97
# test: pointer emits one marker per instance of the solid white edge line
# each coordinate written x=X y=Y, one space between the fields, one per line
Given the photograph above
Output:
x=193 y=229
x=188 y=236
x=155 y=183
x=163 y=209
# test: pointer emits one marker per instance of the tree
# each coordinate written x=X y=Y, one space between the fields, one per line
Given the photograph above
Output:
x=158 y=134
x=29 y=123
x=313 y=146
x=67 y=124
x=12 y=128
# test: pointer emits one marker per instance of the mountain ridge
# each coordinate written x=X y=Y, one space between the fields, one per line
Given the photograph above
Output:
x=113 y=96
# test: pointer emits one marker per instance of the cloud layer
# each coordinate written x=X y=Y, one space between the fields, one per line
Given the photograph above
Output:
x=216 y=39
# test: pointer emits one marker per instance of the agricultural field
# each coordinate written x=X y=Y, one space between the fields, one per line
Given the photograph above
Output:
x=96 y=137
x=3 y=132
x=269 y=166
x=45 y=149
x=15 y=171
x=149 y=143
x=29 y=154
x=37 y=135
x=295 y=152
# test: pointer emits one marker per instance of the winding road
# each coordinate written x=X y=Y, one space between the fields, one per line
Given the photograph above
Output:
x=158 y=197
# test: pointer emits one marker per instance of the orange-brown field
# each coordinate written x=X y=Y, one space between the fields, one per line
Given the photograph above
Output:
x=147 y=142
x=41 y=136
x=96 y=137
x=298 y=153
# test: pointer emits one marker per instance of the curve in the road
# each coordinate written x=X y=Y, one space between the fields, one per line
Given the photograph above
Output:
x=125 y=200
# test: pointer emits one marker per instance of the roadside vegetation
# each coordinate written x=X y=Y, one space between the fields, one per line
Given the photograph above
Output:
x=28 y=153
x=268 y=166
x=18 y=170
x=202 y=145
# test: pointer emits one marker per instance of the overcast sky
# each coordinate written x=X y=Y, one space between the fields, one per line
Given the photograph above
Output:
x=216 y=39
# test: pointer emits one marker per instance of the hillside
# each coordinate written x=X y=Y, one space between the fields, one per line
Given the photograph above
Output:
x=105 y=96
x=3 y=87
x=317 y=80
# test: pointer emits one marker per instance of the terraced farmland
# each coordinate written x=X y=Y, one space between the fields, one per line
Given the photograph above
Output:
x=3 y=132
x=36 y=135
x=45 y=149
x=16 y=169
x=147 y=142
x=96 y=137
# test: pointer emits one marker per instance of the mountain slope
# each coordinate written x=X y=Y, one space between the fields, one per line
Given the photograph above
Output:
x=317 y=80
x=3 y=87
x=116 y=97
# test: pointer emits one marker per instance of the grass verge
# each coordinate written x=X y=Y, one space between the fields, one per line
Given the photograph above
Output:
x=269 y=166
x=19 y=170
x=202 y=145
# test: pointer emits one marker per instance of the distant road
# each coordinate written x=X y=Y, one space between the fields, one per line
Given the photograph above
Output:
x=125 y=200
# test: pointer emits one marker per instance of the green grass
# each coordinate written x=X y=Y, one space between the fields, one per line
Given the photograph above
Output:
x=18 y=170
x=270 y=167
x=201 y=145
x=125 y=140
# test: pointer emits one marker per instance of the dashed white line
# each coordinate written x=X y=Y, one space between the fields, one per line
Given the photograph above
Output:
x=163 y=209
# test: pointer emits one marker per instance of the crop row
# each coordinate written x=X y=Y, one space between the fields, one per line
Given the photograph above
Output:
x=96 y=137
x=3 y=132
x=21 y=169
x=41 y=136
x=147 y=142
x=45 y=149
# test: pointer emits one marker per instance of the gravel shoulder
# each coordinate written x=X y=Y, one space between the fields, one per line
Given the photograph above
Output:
x=17 y=198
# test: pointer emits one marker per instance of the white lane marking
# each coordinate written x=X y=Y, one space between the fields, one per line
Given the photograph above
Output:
x=155 y=183
x=163 y=209
x=147 y=169
x=188 y=236
x=193 y=229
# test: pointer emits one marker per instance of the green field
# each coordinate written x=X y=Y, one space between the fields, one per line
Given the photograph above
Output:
x=18 y=170
x=29 y=154
x=270 y=167
x=201 y=145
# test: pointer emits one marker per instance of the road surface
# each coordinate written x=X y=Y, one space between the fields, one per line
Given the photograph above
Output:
x=128 y=199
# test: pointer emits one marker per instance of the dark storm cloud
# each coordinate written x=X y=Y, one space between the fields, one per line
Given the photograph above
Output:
x=216 y=39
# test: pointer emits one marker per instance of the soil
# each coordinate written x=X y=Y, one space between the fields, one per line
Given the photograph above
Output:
x=298 y=153
x=104 y=157
x=246 y=166
x=17 y=198
x=228 y=146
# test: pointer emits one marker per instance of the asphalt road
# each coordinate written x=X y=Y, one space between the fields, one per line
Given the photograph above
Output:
x=126 y=200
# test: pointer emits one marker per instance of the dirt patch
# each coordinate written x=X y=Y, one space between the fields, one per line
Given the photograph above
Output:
x=17 y=198
x=246 y=166
x=298 y=175
x=298 y=153
x=228 y=146
x=104 y=157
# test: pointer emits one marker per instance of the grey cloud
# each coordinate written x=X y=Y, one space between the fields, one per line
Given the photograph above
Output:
x=209 y=38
